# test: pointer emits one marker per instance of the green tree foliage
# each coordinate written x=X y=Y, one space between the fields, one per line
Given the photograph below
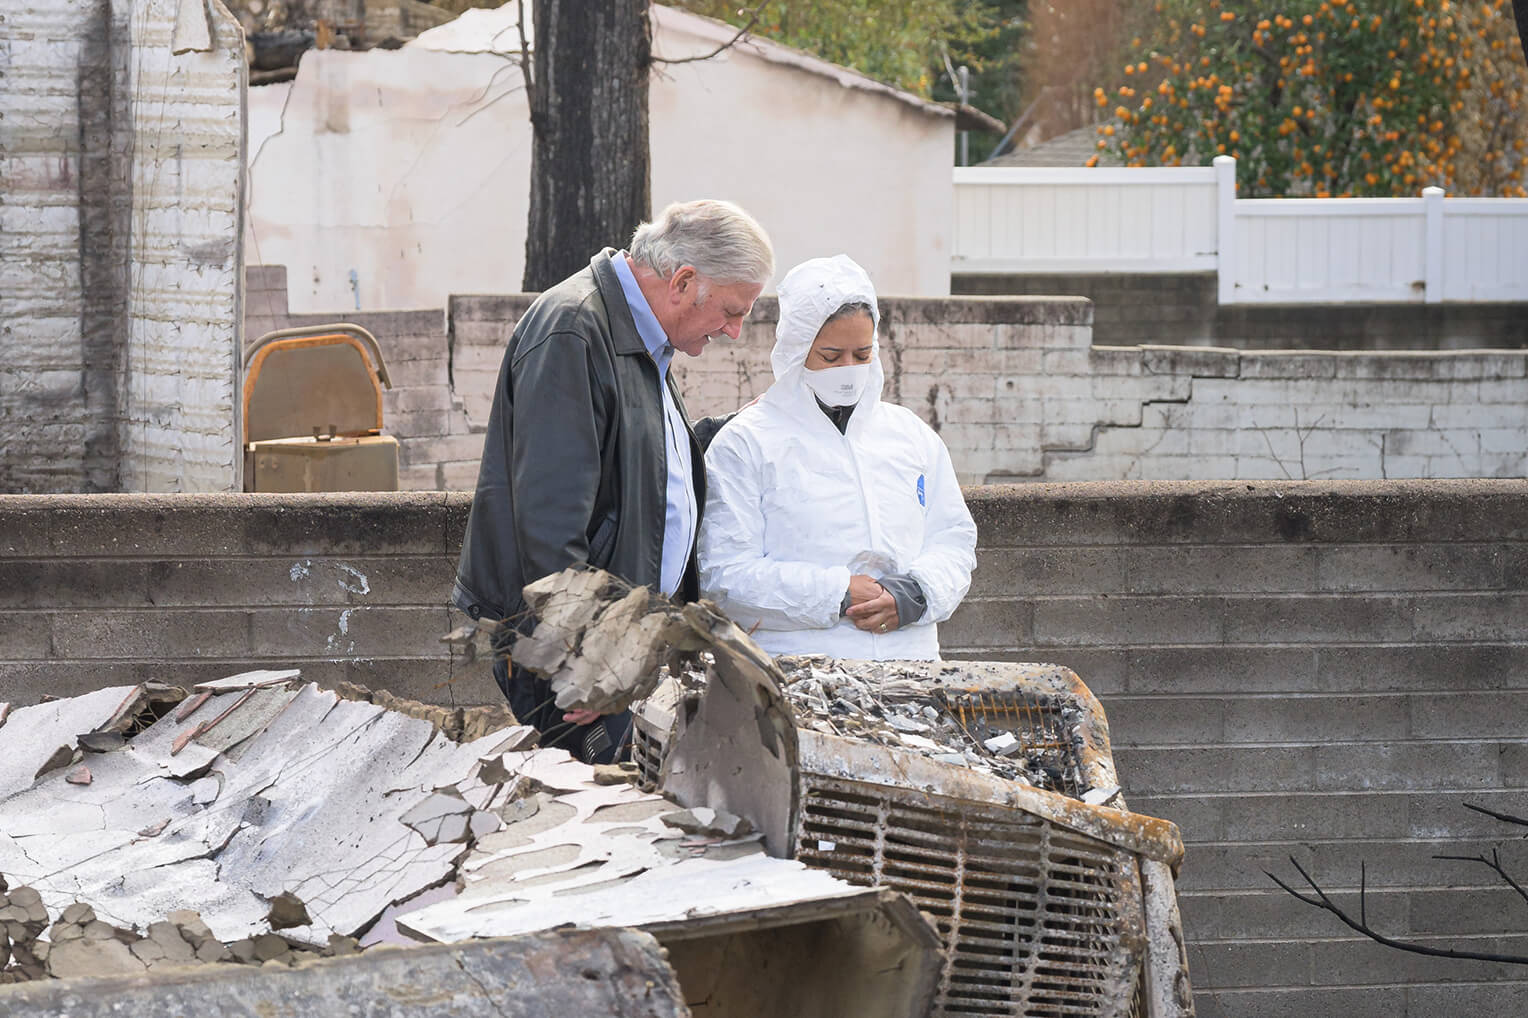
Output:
x=1328 y=97
x=900 y=42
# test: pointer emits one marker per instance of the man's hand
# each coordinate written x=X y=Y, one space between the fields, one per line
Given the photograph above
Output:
x=875 y=614
x=581 y=717
x=863 y=588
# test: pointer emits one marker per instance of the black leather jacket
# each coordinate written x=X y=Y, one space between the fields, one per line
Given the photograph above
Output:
x=574 y=462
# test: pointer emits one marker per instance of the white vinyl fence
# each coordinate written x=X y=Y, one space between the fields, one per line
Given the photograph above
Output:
x=1264 y=250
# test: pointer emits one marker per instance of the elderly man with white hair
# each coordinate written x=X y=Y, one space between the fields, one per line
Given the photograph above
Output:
x=589 y=456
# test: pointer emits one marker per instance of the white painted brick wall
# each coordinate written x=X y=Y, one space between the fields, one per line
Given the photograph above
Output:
x=120 y=252
x=977 y=369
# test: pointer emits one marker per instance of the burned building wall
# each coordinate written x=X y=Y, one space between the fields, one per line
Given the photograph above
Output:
x=122 y=175
x=1017 y=391
x=1319 y=670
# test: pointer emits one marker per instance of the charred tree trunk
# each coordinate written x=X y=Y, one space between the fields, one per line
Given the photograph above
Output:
x=1520 y=12
x=588 y=101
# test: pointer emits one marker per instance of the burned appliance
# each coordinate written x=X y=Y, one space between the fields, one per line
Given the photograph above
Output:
x=986 y=792
x=313 y=412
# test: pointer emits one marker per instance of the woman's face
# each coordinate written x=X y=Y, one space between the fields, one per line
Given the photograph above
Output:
x=846 y=340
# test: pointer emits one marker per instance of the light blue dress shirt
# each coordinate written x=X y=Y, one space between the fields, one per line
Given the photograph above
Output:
x=679 y=515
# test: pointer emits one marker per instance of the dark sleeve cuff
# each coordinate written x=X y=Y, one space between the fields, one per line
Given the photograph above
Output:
x=904 y=590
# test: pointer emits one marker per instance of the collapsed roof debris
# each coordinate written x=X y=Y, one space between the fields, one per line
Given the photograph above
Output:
x=271 y=805
x=253 y=789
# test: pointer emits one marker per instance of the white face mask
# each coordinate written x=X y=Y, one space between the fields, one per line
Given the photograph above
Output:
x=840 y=386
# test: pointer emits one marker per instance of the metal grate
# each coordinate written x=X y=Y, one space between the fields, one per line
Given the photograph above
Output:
x=1040 y=723
x=1030 y=913
x=646 y=750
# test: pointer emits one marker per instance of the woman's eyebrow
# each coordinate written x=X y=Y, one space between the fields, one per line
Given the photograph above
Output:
x=830 y=349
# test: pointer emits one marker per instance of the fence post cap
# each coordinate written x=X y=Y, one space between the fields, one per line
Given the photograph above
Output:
x=1433 y=191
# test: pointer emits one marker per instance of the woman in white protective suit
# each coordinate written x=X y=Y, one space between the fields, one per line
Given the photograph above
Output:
x=833 y=523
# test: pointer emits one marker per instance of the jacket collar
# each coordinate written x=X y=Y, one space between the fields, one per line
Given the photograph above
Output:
x=623 y=329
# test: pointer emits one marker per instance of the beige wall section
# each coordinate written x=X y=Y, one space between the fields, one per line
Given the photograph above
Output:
x=826 y=162
x=412 y=167
x=409 y=167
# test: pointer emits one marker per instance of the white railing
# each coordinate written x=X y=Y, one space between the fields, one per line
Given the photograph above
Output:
x=1264 y=250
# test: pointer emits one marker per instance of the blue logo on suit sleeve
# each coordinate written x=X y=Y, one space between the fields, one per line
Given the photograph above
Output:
x=921 y=500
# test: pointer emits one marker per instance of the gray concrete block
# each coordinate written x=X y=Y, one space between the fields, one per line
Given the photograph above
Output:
x=998 y=624
x=1128 y=621
x=1161 y=721
x=383 y=523
x=448 y=680
x=1311 y=718
x=1196 y=570
x=1264 y=915
x=442 y=449
x=1498 y=714
x=1494 y=999
x=1405 y=765
x=621 y=973
x=1514 y=765
x=1217 y=669
x=1464 y=911
x=1414 y=568
x=1037 y=572
x=1363 y=962
x=1317 y=620
x=418 y=580
x=1297 y=1001
x=111 y=634
x=1414 y=666
x=46 y=583
x=1441 y=816
x=25 y=636
x=348 y=633
x=1223 y=965
x=1485 y=617
x=1181 y=769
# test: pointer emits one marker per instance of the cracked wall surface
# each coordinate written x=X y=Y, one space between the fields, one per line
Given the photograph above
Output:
x=123 y=169
x=1017 y=391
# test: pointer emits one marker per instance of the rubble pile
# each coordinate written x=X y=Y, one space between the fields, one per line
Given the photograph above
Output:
x=80 y=943
x=878 y=702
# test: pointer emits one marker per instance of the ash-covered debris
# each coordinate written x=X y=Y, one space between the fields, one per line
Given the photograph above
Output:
x=77 y=942
x=887 y=703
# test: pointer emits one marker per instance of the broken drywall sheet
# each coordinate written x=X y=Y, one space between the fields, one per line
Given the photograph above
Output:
x=259 y=788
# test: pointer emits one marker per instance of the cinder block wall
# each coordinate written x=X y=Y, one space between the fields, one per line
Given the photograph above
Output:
x=1019 y=390
x=1183 y=309
x=1323 y=670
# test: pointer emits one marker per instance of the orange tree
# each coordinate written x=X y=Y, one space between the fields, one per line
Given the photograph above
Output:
x=1327 y=97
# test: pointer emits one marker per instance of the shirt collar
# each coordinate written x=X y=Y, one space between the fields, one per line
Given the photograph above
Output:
x=653 y=336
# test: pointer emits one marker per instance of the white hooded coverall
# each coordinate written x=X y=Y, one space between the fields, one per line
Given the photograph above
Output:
x=794 y=508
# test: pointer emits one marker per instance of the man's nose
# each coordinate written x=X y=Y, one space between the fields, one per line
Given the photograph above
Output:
x=733 y=329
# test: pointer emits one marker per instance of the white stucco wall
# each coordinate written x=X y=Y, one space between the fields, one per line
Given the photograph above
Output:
x=412 y=167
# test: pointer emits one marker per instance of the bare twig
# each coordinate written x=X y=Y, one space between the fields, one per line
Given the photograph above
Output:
x=1321 y=901
x=758 y=12
x=525 y=56
x=1493 y=863
x=1504 y=817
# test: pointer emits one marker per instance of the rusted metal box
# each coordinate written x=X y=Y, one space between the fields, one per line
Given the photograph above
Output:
x=1048 y=905
x=313 y=412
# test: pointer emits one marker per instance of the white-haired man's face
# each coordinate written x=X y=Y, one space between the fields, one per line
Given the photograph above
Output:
x=701 y=309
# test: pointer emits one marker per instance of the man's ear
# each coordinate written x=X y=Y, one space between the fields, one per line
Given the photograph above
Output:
x=682 y=283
